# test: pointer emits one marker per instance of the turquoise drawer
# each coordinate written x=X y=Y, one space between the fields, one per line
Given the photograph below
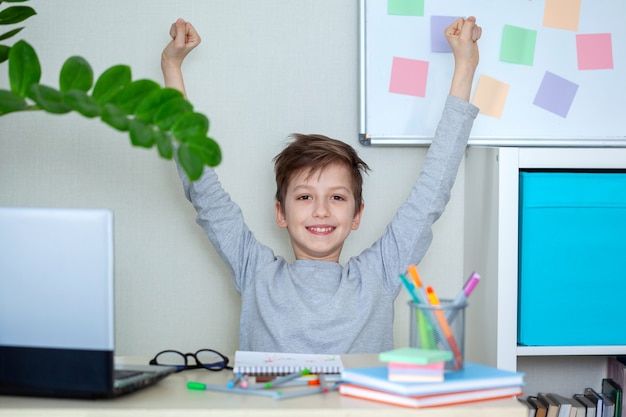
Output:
x=572 y=258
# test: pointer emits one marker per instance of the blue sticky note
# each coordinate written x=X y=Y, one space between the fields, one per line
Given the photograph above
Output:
x=555 y=94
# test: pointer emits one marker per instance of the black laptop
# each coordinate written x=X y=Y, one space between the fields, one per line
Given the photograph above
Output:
x=57 y=306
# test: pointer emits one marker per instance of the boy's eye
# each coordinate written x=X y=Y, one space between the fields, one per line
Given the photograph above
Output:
x=338 y=198
x=304 y=197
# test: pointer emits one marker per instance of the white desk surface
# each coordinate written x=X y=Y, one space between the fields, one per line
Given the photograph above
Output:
x=170 y=397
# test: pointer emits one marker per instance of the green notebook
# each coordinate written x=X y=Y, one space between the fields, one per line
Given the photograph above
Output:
x=415 y=355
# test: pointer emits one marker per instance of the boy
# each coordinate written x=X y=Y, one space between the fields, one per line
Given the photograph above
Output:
x=316 y=305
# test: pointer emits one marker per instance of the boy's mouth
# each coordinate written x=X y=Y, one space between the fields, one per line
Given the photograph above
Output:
x=320 y=229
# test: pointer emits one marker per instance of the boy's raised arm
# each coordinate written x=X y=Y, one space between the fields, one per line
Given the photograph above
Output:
x=184 y=40
x=462 y=35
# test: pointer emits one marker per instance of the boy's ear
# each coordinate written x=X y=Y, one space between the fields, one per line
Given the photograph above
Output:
x=356 y=221
x=281 y=220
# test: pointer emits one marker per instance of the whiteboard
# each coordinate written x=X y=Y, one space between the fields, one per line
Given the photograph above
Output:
x=595 y=111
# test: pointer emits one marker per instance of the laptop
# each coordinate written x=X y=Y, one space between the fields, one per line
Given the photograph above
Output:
x=57 y=306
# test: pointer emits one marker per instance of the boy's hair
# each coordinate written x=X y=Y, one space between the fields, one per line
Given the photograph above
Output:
x=313 y=153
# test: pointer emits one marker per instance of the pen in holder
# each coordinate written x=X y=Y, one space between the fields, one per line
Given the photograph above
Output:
x=430 y=329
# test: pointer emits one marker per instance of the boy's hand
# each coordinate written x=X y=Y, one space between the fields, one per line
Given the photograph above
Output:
x=462 y=35
x=184 y=40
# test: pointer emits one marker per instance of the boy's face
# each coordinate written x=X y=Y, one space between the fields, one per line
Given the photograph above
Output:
x=319 y=213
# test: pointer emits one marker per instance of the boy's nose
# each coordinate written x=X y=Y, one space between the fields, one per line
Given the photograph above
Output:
x=321 y=209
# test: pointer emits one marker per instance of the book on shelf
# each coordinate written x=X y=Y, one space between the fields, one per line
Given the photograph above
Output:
x=596 y=399
x=578 y=409
x=589 y=405
x=540 y=406
x=553 y=405
x=608 y=406
x=472 y=377
x=428 y=400
x=565 y=405
x=274 y=363
x=614 y=392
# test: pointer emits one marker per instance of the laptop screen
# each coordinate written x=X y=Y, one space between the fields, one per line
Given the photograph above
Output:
x=56 y=302
x=56 y=278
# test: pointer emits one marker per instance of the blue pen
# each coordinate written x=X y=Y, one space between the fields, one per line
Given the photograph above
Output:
x=461 y=297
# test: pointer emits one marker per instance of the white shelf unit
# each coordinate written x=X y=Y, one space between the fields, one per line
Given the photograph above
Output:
x=510 y=162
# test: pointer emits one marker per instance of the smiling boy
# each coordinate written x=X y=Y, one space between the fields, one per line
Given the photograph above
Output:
x=314 y=304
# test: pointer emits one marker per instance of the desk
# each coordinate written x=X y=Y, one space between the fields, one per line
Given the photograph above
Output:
x=171 y=398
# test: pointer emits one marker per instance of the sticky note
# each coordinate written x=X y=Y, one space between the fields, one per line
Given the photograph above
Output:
x=562 y=14
x=408 y=76
x=518 y=45
x=405 y=7
x=594 y=51
x=555 y=94
x=438 y=24
x=490 y=96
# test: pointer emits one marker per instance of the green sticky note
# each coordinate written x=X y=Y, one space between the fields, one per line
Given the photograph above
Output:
x=405 y=7
x=518 y=45
x=415 y=355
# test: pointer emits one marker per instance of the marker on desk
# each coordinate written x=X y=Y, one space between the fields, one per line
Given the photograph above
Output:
x=322 y=381
x=280 y=380
x=445 y=327
x=462 y=296
x=207 y=387
x=244 y=381
x=233 y=382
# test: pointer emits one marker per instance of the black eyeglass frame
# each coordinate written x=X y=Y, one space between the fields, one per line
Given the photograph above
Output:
x=215 y=367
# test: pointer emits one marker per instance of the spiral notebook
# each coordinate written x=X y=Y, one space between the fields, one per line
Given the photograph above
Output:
x=273 y=363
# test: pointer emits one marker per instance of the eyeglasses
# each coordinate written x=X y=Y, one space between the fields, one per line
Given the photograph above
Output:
x=205 y=358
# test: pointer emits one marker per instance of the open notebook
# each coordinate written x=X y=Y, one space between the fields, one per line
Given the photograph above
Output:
x=56 y=306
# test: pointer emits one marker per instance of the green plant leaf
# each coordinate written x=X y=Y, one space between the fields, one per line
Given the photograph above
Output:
x=207 y=149
x=10 y=33
x=76 y=74
x=24 y=68
x=189 y=125
x=4 y=53
x=114 y=117
x=48 y=98
x=10 y=102
x=164 y=144
x=146 y=110
x=170 y=112
x=15 y=14
x=190 y=161
x=129 y=98
x=141 y=134
x=111 y=82
x=81 y=102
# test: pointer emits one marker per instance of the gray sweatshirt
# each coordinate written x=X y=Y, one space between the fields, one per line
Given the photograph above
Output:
x=324 y=307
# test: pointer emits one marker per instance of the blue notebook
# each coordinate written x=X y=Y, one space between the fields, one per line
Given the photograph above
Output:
x=472 y=377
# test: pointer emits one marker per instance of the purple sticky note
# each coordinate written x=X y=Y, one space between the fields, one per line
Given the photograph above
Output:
x=594 y=51
x=555 y=94
x=438 y=24
x=408 y=76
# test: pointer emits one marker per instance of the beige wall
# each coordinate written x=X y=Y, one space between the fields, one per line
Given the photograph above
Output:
x=265 y=69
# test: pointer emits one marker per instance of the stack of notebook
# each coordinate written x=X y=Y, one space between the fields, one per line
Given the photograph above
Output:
x=473 y=383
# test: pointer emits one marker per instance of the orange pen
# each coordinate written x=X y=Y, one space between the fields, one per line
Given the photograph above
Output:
x=445 y=326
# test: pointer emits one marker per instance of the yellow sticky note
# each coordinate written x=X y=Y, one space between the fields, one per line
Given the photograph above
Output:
x=490 y=96
x=562 y=14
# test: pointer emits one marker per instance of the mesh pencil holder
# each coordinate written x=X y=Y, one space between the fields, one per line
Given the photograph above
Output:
x=440 y=327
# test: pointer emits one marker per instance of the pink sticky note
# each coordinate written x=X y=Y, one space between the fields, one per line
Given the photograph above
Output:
x=594 y=51
x=408 y=76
